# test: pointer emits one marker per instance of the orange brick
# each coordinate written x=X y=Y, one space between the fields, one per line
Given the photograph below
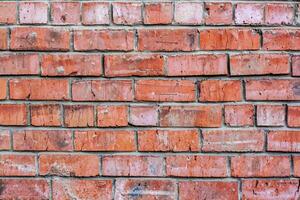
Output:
x=8 y=12
x=293 y=116
x=218 y=13
x=13 y=114
x=287 y=39
x=285 y=141
x=3 y=39
x=112 y=116
x=45 y=115
x=17 y=165
x=239 y=115
x=78 y=116
x=158 y=13
x=4 y=140
x=3 y=90
x=19 y=64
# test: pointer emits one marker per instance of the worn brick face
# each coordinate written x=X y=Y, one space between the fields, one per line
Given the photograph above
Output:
x=149 y=100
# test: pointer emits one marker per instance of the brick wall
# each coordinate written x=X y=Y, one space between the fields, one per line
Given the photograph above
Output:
x=150 y=100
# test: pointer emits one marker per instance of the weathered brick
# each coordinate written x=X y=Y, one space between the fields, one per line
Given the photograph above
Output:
x=39 y=89
x=81 y=189
x=69 y=165
x=296 y=65
x=165 y=90
x=168 y=140
x=8 y=12
x=112 y=116
x=189 y=13
x=190 y=116
x=104 y=140
x=33 y=12
x=168 y=40
x=42 y=140
x=279 y=13
x=229 y=39
x=270 y=115
x=239 y=115
x=45 y=114
x=158 y=13
x=220 y=90
x=19 y=64
x=102 y=90
x=120 y=165
x=296 y=161
x=293 y=116
x=194 y=65
x=65 y=12
x=287 y=39
x=232 y=140
x=285 y=141
x=218 y=13
x=196 y=166
x=208 y=190
x=95 y=13
x=259 y=64
x=144 y=189
x=103 y=40
x=13 y=114
x=249 y=13
x=4 y=140
x=71 y=65
x=127 y=13
x=3 y=90
x=272 y=89
x=17 y=165
x=143 y=115
x=78 y=115
x=24 y=188
x=3 y=39
x=40 y=38
x=260 y=166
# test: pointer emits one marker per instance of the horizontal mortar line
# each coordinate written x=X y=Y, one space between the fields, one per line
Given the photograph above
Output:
x=151 y=1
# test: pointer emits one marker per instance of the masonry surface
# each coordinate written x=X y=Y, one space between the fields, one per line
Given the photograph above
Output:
x=145 y=100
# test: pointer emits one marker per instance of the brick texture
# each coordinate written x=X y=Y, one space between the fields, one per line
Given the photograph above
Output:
x=150 y=100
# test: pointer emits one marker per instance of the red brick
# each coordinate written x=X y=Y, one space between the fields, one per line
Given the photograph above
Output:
x=104 y=40
x=45 y=115
x=165 y=90
x=144 y=189
x=158 y=13
x=293 y=116
x=71 y=65
x=260 y=166
x=95 y=13
x=120 y=165
x=17 y=165
x=133 y=65
x=249 y=13
x=286 y=39
x=270 y=115
x=39 y=89
x=220 y=90
x=3 y=90
x=13 y=114
x=208 y=190
x=143 y=115
x=40 y=140
x=4 y=140
x=114 y=140
x=112 y=116
x=40 y=38
x=102 y=90
x=190 y=116
x=168 y=140
x=229 y=39
x=19 y=64
x=127 y=13
x=296 y=161
x=268 y=89
x=232 y=140
x=296 y=65
x=259 y=64
x=218 y=13
x=279 y=13
x=270 y=189
x=8 y=12
x=168 y=40
x=78 y=115
x=194 y=65
x=239 y=115
x=196 y=166
x=24 y=189
x=285 y=141
x=189 y=13
x=69 y=165
x=64 y=189
x=65 y=12
x=33 y=12
x=3 y=39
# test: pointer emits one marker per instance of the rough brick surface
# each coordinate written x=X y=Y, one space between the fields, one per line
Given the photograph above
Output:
x=150 y=100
